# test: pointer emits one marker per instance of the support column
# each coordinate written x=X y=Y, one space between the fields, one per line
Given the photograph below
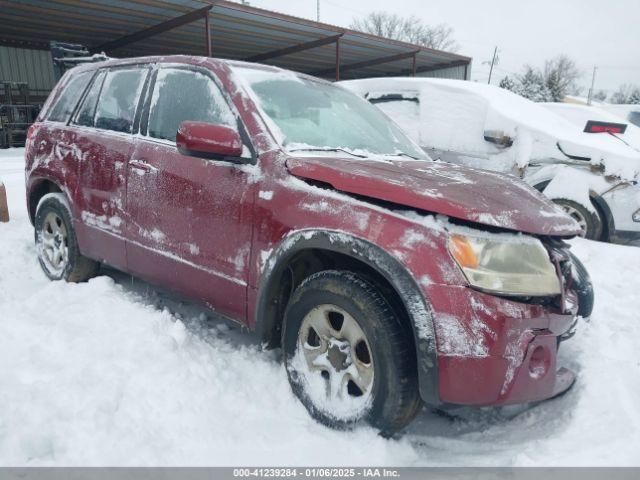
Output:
x=413 y=65
x=4 y=209
x=337 y=59
x=207 y=34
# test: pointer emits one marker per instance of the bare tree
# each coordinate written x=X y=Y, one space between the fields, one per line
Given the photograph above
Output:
x=560 y=76
x=408 y=29
x=600 y=96
x=627 y=93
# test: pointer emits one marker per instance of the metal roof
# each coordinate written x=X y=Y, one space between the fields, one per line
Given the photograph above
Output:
x=157 y=27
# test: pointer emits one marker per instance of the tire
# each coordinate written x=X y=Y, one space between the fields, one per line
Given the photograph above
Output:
x=378 y=350
x=589 y=220
x=56 y=242
x=582 y=286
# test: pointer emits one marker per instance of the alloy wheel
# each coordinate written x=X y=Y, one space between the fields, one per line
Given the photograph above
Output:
x=577 y=216
x=336 y=348
x=54 y=244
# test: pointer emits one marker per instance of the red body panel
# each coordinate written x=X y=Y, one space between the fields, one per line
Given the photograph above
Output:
x=194 y=213
x=491 y=354
x=209 y=229
x=480 y=196
x=208 y=138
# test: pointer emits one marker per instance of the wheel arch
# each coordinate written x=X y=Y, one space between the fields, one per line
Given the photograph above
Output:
x=598 y=203
x=38 y=189
x=608 y=225
x=307 y=251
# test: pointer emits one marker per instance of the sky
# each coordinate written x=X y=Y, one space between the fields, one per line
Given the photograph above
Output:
x=598 y=33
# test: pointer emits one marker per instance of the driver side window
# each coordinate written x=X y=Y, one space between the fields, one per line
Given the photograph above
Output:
x=185 y=95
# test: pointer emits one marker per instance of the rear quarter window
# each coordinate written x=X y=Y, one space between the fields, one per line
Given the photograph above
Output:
x=402 y=108
x=69 y=97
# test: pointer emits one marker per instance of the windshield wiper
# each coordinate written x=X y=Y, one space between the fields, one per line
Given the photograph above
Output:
x=320 y=149
x=621 y=139
x=402 y=154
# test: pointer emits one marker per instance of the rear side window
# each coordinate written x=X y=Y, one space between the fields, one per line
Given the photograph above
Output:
x=87 y=111
x=402 y=108
x=69 y=97
x=116 y=107
x=180 y=95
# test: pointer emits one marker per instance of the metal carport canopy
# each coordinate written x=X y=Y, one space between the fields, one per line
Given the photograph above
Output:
x=155 y=27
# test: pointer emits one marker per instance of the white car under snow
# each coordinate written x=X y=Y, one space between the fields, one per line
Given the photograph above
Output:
x=581 y=115
x=593 y=176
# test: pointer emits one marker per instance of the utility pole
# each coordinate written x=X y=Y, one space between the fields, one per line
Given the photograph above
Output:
x=593 y=84
x=493 y=62
x=317 y=10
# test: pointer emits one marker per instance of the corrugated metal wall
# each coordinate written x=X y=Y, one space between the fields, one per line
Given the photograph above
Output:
x=25 y=65
x=453 y=72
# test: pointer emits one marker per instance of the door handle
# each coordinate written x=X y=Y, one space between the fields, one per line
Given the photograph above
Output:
x=142 y=166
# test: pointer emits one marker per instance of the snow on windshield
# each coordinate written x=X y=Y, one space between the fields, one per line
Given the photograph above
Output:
x=455 y=114
x=312 y=115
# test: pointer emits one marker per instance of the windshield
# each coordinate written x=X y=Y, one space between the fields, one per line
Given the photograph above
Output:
x=311 y=115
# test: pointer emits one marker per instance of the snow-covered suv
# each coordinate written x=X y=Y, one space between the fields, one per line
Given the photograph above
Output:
x=592 y=176
x=293 y=207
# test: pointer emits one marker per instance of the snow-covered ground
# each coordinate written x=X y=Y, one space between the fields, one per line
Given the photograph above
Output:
x=113 y=372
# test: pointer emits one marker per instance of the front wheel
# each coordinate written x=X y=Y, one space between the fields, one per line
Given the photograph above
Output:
x=582 y=286
x=348 y=357
x=588 y=219
x=56 y=242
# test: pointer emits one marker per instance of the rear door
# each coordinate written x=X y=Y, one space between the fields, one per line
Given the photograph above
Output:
x=104 y=125
x=190 y=218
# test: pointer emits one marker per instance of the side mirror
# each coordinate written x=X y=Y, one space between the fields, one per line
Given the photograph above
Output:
x=498 y=137
x=208 y=140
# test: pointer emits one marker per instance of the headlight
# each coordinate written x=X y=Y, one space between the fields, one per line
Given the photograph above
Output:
x=636 y=216
x=506 y=266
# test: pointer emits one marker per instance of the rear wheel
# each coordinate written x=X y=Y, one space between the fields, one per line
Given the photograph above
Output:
x=589 y=220
x=348 y=357
x=56 y=242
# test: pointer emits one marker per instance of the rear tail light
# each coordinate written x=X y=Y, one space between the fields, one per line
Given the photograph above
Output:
x=605 y=127
x=31 y=131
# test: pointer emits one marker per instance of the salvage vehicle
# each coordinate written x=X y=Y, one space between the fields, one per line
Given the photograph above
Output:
x=593 y=119
x=296 y=208
x=626 y=112
x=591 y=175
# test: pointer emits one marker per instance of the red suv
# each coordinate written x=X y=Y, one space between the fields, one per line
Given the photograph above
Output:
x=292 y=206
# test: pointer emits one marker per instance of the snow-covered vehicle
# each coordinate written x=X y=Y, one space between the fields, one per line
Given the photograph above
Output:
x=628 y=113
x=592 y=176
x=296 y=208
x=594 y=119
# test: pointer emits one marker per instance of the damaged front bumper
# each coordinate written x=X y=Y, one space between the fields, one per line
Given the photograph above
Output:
x=498 y=351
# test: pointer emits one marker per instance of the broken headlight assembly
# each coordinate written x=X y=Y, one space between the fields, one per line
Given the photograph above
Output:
x=506 y=266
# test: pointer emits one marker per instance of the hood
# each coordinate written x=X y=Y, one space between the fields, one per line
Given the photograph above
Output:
x=470 y=194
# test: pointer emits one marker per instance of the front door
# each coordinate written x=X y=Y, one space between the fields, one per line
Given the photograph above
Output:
x=189 y=218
